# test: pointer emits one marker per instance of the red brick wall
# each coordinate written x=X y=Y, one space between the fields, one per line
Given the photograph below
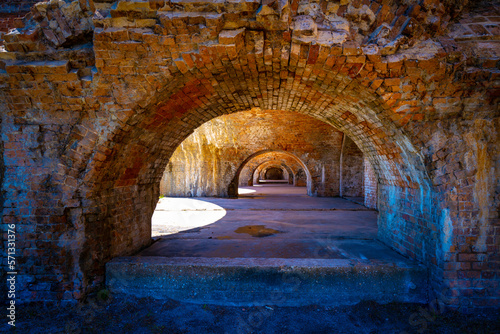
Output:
x=11 y=12
x=7 y=22
x=352 y=169
x=369 y=185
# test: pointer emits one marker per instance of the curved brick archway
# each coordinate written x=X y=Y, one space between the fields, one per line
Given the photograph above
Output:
x=275 y=173
x=137 y=156
x=250 y=172
x=88 y=130
x=276 y=164
x=261 y=171
x=233 y=187
x=206 y=162
x=121 y=175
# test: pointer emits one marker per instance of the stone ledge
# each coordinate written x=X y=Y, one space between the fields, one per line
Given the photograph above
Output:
x=254 y=281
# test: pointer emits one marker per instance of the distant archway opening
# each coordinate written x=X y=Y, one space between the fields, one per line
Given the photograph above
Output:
x=255 y=168
x=262 y=173
x=274 y=174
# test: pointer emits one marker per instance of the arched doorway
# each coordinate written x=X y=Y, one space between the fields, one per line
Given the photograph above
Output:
x=253 y=166
x=275 y=173
x=115 y=162
x=138 y=159
x=249 y=175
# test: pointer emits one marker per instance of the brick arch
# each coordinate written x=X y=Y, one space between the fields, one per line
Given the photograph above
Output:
x=292 y=172
x=387 y=148
x=263 y=167
x=192 y=93
x=280 y=169
x=152 y=112
x=248 y=171
x=130 y=161
x=233 y=186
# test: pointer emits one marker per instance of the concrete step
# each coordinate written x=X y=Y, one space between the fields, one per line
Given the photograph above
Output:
x=267 y=281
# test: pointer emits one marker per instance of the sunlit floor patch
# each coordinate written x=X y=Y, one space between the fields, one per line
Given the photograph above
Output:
x=173 y=215
x=243 y=191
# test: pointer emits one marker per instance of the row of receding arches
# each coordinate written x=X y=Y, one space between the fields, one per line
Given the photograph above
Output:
x=275 y=167
x=122 y=180
x=270 y=167
x=254 y=147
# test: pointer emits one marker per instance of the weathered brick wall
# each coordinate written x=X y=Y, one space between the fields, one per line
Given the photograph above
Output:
x=50 y=25
x=352 y=169
x=88 y=129
x=466 y=176
x=9 y=21
x=369 y=185
x=207 y=162
x=11 y=13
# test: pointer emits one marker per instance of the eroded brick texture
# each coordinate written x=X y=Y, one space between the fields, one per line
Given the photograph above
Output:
x=11 y=14
x=89 y=124
x=352 y=170
x=369 y=185
x=7 y=22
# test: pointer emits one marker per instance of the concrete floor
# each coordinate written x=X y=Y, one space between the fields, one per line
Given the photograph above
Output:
x=267 y=221
x=273 y=246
